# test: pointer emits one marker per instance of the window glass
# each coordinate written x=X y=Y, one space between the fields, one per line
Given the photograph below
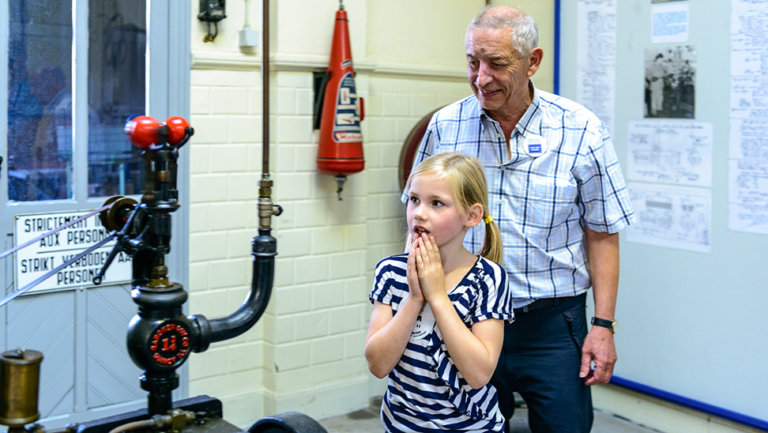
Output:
x=116 y=77
x=39 y=100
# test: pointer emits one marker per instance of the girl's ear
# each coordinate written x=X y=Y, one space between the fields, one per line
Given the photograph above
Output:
x=474 y=215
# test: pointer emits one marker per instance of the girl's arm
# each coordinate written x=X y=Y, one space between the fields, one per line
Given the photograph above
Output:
x=475 y=352
x=388 y=335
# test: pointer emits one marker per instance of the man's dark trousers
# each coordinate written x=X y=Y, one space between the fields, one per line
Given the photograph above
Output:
x=540 y=360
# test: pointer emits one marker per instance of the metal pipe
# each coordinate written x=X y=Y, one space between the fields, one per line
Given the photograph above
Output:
x=263 y=246
x=265 y=89
x=135 y=425
x=264 y=250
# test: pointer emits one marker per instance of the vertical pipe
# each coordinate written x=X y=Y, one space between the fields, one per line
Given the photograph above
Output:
x=265 y=89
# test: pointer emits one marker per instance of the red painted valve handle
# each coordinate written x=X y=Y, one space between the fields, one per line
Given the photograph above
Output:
x=143 y=131
x=177 y=129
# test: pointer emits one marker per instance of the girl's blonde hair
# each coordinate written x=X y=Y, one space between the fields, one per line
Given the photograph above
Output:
x=466 y=179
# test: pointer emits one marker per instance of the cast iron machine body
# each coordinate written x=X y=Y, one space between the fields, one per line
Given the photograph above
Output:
x=160 y=337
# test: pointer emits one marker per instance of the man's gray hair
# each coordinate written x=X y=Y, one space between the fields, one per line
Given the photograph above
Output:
x=525 y=34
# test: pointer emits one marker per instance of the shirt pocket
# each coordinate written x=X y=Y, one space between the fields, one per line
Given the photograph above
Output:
x=551 y=202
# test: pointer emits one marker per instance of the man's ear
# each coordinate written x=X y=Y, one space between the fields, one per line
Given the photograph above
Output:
x=474 y=215
x=535 y=60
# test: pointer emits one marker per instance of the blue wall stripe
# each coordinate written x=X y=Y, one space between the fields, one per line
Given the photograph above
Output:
x=556 y=75
x=691 y=403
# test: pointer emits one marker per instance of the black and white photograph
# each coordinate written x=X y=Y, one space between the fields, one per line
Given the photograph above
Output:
x=670 y=77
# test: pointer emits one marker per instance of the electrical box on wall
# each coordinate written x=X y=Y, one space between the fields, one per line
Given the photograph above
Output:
x=249 y=38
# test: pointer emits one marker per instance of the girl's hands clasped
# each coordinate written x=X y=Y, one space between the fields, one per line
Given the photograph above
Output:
x=413 y=275
x=428 y=267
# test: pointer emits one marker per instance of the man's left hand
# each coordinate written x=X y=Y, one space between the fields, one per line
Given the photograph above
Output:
x=600 y=349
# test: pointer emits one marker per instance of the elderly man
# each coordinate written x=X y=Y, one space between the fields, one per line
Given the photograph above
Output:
x=558 y=195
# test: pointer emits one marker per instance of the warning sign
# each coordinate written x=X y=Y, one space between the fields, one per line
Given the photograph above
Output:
x=46 y=254
x=346 y=127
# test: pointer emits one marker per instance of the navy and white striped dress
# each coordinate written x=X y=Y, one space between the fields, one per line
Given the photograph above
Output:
x=426 y=392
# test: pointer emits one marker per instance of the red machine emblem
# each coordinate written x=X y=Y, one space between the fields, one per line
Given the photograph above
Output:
x=169 y=344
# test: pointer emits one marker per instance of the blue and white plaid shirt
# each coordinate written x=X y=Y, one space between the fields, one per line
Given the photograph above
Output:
x=562 y=175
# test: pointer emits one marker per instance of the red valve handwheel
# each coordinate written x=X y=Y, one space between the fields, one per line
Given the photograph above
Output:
x=143 y=131
x=177 y=129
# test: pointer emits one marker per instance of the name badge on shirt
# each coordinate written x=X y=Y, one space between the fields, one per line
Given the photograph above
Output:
x=534 y=145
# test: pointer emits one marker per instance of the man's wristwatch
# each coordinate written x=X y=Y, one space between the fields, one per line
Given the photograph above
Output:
x=610 y=324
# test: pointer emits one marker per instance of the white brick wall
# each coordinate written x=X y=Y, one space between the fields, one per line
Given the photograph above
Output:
x=223 y=219
x=310 y=341
x=306 y=352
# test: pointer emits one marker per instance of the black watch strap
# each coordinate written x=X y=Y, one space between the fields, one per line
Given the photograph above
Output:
x=610 y=324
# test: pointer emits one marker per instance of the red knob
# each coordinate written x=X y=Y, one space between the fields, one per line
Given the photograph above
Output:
x=143 y=131
x=177 y=129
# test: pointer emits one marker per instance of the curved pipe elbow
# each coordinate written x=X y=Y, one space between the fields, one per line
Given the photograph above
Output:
x=252 y=308
x=210 y=331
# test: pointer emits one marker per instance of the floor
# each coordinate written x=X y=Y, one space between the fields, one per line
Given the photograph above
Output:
x=367 y=420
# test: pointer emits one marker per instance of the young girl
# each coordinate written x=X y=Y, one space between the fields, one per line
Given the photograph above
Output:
x=437 y=323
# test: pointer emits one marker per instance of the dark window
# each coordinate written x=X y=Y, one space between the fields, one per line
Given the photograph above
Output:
x=43 y=162
x=116 y=83
x=39 y=100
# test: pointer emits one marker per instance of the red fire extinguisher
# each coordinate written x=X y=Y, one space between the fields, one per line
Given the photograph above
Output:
x=341 y=143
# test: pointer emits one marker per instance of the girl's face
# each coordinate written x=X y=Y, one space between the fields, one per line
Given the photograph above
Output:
x=432 y=210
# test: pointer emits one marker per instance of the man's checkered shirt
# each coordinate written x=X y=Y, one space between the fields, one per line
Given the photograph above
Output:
x=541 y=198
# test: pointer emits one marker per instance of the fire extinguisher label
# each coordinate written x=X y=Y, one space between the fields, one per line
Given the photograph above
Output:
x=346 y=125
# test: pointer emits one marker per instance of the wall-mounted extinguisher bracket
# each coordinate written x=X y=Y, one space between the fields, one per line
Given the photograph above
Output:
x=340 y=149
x=319 y=83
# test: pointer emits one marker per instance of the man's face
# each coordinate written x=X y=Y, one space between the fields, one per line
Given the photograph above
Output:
x=497 y=73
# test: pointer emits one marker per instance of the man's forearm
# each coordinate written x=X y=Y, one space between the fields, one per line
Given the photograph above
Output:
x=603 y=254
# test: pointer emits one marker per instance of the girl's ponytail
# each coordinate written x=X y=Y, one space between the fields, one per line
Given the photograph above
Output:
x=492 y=247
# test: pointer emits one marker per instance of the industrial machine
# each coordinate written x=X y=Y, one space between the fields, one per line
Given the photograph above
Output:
x=160 y=337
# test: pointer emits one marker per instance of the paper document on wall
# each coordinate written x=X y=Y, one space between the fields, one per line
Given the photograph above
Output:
x=596 y=58
x=670 y=151
x=669 y=22
x=748 y=145
x=748 y=186
x=671 y=216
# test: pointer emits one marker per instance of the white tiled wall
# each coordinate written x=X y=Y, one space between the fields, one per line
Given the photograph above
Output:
x=225 y=112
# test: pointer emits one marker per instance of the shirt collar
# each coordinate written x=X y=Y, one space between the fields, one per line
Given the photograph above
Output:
x=531 y=120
